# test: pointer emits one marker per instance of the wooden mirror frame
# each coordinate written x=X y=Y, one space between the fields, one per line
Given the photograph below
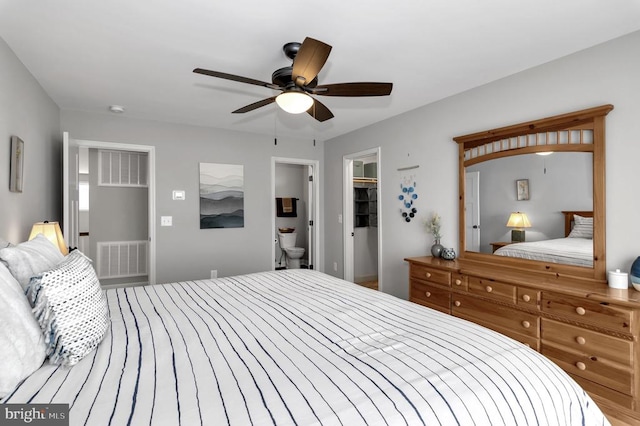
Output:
x=478 y=147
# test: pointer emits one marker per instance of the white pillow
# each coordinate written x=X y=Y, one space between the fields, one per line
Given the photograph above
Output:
x=4 y=243
x=582 y=227
x=22 y=348
x=30 y=258
x=71 y=309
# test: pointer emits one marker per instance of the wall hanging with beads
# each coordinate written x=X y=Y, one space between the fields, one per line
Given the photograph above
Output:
x=408 y=194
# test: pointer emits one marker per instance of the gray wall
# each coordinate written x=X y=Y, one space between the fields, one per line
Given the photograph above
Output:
x=557 y=182
x=184 y=251
x=28 y=112
x=607 y=73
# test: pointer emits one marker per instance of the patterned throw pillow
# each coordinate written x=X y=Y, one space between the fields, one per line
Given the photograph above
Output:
x=71 y=309
x=582 y=227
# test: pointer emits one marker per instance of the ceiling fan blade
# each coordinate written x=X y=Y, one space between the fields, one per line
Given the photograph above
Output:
x=319 y=111
x=309 y=60
x=237 y=78
x=255 y=105
x=353 y=89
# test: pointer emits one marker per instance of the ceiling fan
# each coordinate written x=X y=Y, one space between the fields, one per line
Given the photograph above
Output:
x=299 y=81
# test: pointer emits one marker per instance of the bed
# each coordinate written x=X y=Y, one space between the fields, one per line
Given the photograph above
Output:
x=300 y=347
x=576 y=248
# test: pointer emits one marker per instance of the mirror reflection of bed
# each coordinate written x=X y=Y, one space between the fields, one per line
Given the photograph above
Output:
x=575 y=248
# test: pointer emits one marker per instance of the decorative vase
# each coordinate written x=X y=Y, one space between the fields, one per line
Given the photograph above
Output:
x=448 y=254
x=634 y=274
x=436 y=248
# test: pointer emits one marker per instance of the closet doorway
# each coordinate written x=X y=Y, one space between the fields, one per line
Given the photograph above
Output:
x=361 y=218
x=120 y=261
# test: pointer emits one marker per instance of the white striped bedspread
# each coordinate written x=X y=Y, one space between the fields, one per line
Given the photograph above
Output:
x=568 y=251
x=301 y=347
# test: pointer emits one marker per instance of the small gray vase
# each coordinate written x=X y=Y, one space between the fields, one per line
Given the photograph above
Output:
x=436 y=249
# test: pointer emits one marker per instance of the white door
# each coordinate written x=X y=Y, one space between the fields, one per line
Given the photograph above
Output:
x=347 y=220
x=310 y=217
x=70 y=191
x=472 y=211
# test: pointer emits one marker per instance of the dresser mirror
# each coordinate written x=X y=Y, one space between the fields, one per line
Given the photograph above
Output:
x=553 y=171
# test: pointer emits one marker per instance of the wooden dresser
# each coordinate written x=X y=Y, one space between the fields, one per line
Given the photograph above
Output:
x=588 y=329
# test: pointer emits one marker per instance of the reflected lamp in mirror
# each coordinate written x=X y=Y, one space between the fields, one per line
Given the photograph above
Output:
x=518 y=221
x=52 y=231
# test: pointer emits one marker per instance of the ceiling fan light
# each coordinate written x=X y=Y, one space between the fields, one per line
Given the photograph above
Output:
x=294 y=102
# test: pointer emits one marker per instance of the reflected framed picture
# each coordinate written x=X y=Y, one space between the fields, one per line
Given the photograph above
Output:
x=522 y=189
x=16 y=168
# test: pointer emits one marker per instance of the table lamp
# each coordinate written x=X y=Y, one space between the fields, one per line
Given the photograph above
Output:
x=52 y=231
x=518 y=221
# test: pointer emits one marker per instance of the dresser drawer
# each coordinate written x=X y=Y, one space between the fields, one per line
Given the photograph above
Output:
x=603 y=314
x=459 y=281
x=587 y=342
x=431 y=296
x=527 y=297
x=608 y=374
x=493 y=289
x=499 y=316
x=430 y=274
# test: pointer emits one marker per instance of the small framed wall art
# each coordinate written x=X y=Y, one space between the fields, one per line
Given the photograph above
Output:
x=16 y=168
x=522 y=189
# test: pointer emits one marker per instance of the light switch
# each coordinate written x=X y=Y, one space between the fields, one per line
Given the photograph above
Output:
x=166 y=220
x=179 y=195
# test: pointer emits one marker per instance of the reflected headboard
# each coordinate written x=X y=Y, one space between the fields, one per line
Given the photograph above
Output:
x=568 y=219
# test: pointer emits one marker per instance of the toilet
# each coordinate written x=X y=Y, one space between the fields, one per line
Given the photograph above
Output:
x=293 y=254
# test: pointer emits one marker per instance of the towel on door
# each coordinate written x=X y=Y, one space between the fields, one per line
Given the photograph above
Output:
x=286 y=207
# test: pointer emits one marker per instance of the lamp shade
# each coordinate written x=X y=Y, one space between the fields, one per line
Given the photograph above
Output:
x=518 y=220
x=52 y=231
x=294 y=102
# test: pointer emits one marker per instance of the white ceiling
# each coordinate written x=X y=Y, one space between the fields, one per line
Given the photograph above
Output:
x=140 y=54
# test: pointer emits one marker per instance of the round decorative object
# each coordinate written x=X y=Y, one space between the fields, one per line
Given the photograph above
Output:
x=634 y=274
x=448 y=254
x=436 y=249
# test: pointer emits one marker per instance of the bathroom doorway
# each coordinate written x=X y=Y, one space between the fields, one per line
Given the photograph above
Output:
x=361 y=218
x=295 y=208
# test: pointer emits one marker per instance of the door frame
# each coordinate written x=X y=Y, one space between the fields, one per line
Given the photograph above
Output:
x=472 y=223
x=318 y=261
x=347 y=212
x=150 y=150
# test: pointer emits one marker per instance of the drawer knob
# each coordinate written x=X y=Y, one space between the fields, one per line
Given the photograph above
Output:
x=428 y=274
x=526 y=297
x=526 y=324
x=581 y=366
x=489 y=289
x=458 y=281
x=581 y=340
x=457 y=303
x=427 y=293
x=580 y=310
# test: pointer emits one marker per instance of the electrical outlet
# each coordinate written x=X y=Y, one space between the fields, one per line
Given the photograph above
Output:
x=166 y=220
x=214 y=273
x=335 y=266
